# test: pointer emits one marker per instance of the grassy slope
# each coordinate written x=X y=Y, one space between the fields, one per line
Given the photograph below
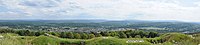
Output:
x=13 y=39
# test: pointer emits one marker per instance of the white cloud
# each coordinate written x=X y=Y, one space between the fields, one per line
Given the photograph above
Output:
x=183 y=10
x=151 y=10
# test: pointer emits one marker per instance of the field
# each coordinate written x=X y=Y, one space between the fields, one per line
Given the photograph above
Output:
x=14 y=39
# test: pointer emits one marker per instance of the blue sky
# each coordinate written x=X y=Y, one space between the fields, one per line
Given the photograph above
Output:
x=181 y=10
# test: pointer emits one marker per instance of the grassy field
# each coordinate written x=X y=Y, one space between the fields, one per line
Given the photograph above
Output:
x=13 y=39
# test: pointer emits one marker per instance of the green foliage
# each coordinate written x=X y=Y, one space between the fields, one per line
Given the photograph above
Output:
x=91 y=36
x=130 y=37
x=63 y=35
x=196 y=39
x=181 y=39
x=9 y=40
x=38 y=33
x=70 y=35
x=24 y=32
x=137 y=36
x=30 y=37
x=44 y=40
x=187 y=42
x=153 y=34
x=122 y=35
x=98 y=35
x=3 y=30
x=113 y=34
x=54 y=33
x=77 y=36
x=84 y=36
x=175 y=37
x=105 y=33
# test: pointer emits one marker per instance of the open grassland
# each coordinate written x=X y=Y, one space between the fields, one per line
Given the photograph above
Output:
x=170 y=38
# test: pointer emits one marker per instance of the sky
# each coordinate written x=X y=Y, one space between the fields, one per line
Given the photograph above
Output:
x=180 y=10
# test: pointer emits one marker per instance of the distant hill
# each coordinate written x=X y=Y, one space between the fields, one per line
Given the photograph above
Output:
x=125 y=22
x=173 y=26
x=169 y=26
x=56 y=21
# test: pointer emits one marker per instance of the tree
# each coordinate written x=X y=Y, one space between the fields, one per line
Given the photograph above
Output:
x=122 y=35
x=31 y=34
x=54 y=33
x=91 y=36
x=2 y=30
x=37 y=33
x=141 y=33
x=134 y=33
x=113 y=34
x=26 y=33
x=23 y=32
x=77 y=36
x=105 y=33
x=137 y=36
x=98 y=35
x=84 y=36
x=130 y=37
x=63 y=35
x=152 y=34
x=70 y=35
x=128 y=33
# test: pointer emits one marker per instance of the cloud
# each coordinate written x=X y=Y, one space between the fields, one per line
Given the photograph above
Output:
x=183 y=10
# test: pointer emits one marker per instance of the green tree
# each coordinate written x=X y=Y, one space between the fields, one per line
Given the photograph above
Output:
x=70 y=35
x=26 y=33
x=98 y=35
x=152 y=34
x=54 y=33
x=141 y=33
x=31 y=33
x=91 y=36
x=84 y=36
x=137 y=36
x=37 y=33
x=77 y=36
x=22 y=32
x=113 y=34
x=130 y=37
x=105 y=33
x=63 y=35
x=122 y=35
x=2 y=30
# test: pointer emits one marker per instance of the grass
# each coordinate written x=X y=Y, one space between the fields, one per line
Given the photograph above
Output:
x=175 y=37
x=105 y=41
x=115 y=41
x=9 y=40
x=44 y=40
x=13 y=39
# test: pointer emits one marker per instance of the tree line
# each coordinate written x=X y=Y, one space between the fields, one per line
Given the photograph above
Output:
x=84 y=35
